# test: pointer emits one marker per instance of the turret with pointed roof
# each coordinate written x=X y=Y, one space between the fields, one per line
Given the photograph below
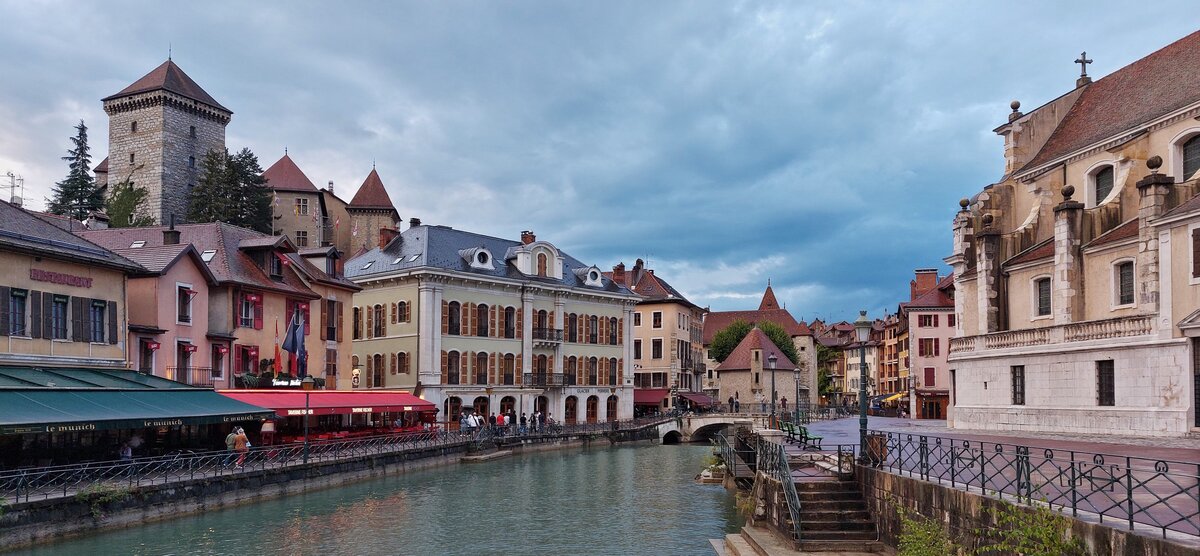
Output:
x=768 y=300
x=371 y=210
x=159 y=129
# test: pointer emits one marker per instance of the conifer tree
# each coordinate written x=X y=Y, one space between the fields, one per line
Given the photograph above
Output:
x=231 y=189
x=77 y=195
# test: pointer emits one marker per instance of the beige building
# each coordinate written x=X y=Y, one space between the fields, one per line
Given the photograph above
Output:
x=755 y=371
x=297 y=209
x=1076 y=295
x=473 y=321
x=63 y=298
x=667 y=352
x=370 y=210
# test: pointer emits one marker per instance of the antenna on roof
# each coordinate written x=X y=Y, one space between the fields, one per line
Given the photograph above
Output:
x=285 y=150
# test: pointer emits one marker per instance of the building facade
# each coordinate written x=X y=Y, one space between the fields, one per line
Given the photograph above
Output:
x=1073 y=274
x=757 y=372
x=931 y=324
x=481 y=323
x=159 y=129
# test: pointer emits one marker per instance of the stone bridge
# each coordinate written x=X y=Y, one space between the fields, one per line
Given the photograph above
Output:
x=702 y=427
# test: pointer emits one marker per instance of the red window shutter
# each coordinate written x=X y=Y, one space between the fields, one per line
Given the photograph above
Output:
x=552 y=320
x=473 y=326
x=564 y=364
x=237 y=310
x=937 y=347
x=621 y=331
x=517 y=365
x=516 y=373
x=340 y=308
x=494 y=328
x=392 y=318
x=258 y=313
x=445 y=365
x=445 y=321
x=604 y=371
x=935 y=321
x=587 y=328
x=580 y=363
x=519 y=314
x=324 y=319
x=929 y=376
x=237 y=359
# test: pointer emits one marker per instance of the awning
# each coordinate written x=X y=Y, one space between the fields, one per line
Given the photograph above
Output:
x=696 y=397
x=331 y=402
x=36 y=410
x=649 y=397
x=895 y=396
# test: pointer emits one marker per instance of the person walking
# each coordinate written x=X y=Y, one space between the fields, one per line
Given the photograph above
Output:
x=126 y=453
x=731 y=406
x=524 y=422
x=230 y=441
x=241 y=445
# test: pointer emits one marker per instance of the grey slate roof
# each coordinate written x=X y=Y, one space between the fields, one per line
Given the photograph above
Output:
x=26 y=232
x=438 y=247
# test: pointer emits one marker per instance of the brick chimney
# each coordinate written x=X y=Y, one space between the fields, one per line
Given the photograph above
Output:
x=171 y=235
x=527 y=237
x=619 y=273
x=927 y=279
x=386 y=235
x=414 y=222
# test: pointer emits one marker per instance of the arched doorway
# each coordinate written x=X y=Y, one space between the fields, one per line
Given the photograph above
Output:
x=481 y=406
x=452 y=409
x=507 y=403
x=572 y=409
x=593 y=406
x=540 y=404
x=612 y=408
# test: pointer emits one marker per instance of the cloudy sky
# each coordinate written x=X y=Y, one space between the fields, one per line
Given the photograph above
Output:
x=822 y=145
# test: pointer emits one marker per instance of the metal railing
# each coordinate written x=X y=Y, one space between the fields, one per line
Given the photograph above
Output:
x=40 y=483
x=548 y=334
x=193 y=376
x=547 y=380
x=772 y=463
x=1133 y=491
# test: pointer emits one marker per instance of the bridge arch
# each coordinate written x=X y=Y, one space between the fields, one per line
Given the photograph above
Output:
x=672 y=437
x=706 y=432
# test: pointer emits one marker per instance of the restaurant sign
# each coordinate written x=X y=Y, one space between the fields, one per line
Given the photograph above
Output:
x=299 y=411
x=39 y=275
x=286 y=382
x=360 y=410
x=163 y=423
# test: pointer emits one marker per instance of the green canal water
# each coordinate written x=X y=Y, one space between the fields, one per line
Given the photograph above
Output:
x=624 y=500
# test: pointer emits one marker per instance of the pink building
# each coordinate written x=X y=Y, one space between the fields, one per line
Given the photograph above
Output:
x=931 y=324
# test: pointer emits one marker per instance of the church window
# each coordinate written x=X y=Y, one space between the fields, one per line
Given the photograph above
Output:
x=1191 y=157
x=1124 y=279
x=133 y=126
x=1102 y=184
x=1042 y=300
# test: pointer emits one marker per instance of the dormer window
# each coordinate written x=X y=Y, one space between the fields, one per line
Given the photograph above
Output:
x=541 y=264
x=276 y=267
x=591 y=276
x=478 y=258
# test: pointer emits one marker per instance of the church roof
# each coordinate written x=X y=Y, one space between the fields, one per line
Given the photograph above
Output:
x=284 y=175
x=768 y=310
x=1162 y=82
x=169 y=77
x=740 y=358
x=372 y=194
x=768 y=301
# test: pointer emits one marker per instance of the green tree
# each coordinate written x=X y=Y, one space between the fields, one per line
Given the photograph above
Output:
x=77 y=195
x=124 y=206
x=826 y=358
x=231 y=189
x=729 y=337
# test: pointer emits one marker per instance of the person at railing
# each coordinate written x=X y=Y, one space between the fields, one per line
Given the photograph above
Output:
x=230 y=441
x=241 y=445
x=524 y=422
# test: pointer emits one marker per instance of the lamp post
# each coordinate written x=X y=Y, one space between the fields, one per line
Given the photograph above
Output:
x=862 y=332
x=796 y=400
x=771 y=360
x=307 y=384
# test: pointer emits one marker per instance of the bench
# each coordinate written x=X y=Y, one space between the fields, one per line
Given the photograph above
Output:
x=809 y=440
x=790 y=430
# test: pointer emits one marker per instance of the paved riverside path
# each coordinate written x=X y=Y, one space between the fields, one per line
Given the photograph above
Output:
x=845 y=431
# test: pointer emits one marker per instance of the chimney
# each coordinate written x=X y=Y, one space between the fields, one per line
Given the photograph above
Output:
x=527 y=237
x=171 y=235
x=619 y=273
x=386 y=235
x=927 y=279
x=331 y=186
x=414 y=222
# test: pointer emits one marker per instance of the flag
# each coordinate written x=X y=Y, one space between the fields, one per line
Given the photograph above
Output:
x=278 y=359
x=337 y=221
x=293 y=341
x=286 y=261
x=354 y=230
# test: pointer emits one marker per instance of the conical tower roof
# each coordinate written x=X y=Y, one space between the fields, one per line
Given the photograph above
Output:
x=768 y=301
x=169 y=77
x=372 y=194
x=284 y=175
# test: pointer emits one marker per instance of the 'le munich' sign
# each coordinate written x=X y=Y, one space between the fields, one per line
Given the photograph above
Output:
x=59 y=278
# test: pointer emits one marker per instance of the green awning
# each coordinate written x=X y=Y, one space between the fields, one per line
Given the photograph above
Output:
x=36 y=410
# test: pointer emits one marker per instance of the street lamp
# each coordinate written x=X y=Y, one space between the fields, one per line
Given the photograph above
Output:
x=796 y=400
x=771 y=360
x=862 y=332
x=307 y=384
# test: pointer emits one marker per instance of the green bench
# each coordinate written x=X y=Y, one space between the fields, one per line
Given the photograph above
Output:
x=800 y=435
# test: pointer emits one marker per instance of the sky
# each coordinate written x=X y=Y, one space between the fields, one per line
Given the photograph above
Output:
x=820 y=145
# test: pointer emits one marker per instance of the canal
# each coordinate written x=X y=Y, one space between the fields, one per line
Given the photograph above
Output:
x=623 y=500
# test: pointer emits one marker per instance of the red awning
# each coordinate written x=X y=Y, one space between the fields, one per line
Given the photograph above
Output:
x=649 y=397
x=288 y=403
x=697 y=397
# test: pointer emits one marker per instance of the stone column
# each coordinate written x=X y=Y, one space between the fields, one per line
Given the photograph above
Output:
x=987 y=266
x=560 y=322
x=1152 y=192
x=1068 y=260
x=527 y=330
x=963 y=238
x=429 y=331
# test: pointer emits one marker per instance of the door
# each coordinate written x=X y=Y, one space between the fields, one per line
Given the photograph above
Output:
x=593 y=406
x=452 y=410
x=612 y=408
x=571 y=410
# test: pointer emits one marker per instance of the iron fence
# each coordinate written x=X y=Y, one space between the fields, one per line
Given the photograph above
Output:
x=23 y=485
x=772 y=462
x=1132 y=491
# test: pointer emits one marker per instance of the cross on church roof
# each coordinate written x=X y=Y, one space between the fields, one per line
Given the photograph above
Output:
x=1083 y=61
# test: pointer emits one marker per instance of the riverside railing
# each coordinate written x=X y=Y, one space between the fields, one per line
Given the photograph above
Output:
x=39 y=483
x=772 y=462
x=1133 y=491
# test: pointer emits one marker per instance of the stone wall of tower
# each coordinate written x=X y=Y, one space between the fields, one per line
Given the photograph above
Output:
x=365 y=226
x=168 y=136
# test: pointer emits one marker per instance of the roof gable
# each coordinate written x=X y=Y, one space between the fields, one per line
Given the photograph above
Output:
x=768 y=300
x=740 y=359
x=169 y=77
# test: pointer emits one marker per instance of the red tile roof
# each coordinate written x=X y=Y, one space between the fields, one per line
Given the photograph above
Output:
x=284 y=175
x=1124 y=231
x=715 y=322
x=741 y=357
x=1132 y=96
x=932 y=299
x=651 y=287
x=1038 y=252
x=372 y=194
x=169 y=77
x=101 y=168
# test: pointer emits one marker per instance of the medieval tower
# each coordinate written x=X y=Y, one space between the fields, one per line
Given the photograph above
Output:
x=159 y=129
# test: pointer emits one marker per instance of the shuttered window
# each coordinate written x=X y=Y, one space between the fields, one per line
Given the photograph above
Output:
x=1103 y=183
x=1105 y=383
x=1191 y=157
x=1125 y=283
x=1042 y=285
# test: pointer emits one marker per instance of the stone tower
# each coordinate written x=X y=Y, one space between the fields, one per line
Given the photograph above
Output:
x=370 y=210
x=159 y=129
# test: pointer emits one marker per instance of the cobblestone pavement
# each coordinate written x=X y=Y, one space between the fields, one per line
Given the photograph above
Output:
x=845 y=431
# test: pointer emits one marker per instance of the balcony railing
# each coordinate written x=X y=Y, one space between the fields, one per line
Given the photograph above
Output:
x=547 y=380
x=548 y=334
x=192 y=376
x=1075 y=332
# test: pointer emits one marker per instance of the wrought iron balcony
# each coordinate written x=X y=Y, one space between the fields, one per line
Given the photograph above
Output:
x=547 y=337
x=192 y=376
x=547 y=380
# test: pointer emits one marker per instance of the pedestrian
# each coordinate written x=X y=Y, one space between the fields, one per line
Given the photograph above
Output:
x=268 y=432
x=126 y=453
x=241 y=445
x=731 y=406
x=541 y=422
x=524 y=422
x=230 y=441
x=783 y=404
